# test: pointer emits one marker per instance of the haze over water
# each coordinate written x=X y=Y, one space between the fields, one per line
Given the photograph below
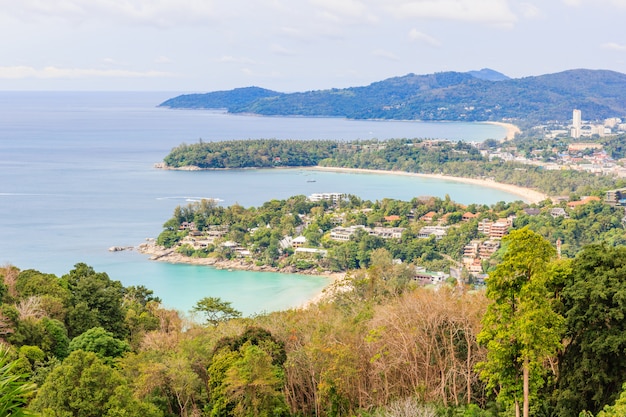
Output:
x=77 y=176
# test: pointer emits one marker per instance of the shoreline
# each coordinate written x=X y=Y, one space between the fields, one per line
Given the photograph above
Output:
x=528 y=194
x=511 y=129
x=160 y=254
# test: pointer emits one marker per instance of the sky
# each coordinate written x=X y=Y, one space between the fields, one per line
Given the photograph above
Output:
x=295 y=45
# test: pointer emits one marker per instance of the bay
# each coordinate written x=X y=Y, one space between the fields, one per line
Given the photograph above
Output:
x=77 y=176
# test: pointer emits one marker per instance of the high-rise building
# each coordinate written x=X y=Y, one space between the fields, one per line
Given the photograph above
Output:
x=577 y=123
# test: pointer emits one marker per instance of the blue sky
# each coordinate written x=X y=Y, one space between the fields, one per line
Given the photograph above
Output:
x=295 y=45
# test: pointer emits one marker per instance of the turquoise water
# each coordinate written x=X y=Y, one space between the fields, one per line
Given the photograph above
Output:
x=77 y=176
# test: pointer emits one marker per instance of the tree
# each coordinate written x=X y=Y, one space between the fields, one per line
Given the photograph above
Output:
x=521 y=329
x=254 y=384
x=101 y=342
x=246 y=375
x=83 y=385
x=15 y=391
x=592 y=365
x=96 y=300
x=216 y=310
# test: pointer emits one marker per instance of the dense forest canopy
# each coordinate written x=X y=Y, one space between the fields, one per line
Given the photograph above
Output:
x=440 y=96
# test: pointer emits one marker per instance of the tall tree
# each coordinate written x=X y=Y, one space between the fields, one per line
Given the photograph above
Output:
x=521 y=328
x=593 y=365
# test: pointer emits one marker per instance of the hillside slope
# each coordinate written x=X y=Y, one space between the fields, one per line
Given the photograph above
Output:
x=440 y=96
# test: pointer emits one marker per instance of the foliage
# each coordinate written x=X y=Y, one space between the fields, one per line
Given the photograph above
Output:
x=215 y=310
x=101 y=342
x=406 y=155
x=253 y=153
x=521 y=329
x=84 y=386
x=15 y=390
x=246 y=376
x=95 y=301
x=592 y=366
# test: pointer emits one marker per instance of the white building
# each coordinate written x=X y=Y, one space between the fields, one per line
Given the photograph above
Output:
x=577 y=123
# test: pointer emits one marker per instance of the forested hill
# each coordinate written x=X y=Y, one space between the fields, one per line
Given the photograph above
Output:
x=475 y=96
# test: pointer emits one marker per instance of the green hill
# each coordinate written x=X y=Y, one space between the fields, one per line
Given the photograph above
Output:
x=475 y=96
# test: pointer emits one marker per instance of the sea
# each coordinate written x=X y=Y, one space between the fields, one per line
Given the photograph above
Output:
x=77 y=177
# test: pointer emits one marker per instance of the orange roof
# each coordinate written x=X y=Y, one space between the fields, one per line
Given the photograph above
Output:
x=584 y=201
x=392 y=218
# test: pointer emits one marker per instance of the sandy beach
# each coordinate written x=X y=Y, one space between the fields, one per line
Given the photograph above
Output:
x=527 y=194
x=511 y=129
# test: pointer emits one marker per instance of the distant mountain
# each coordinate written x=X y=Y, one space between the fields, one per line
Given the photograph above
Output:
x=489 y=75
x=454 y=96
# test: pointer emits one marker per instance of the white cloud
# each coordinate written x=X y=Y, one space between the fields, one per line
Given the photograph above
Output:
x=417 y=36
x=155 y=12
x=381 y=53
x=281 y=50
x=338 y=10
x=613 y=46
x=20 y=72
x=490 y=11
x=229 y=59
x=530 y=11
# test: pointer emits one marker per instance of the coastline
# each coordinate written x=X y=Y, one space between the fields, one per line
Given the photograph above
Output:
x=161 y=254
x=511 y=129
x=529 y=195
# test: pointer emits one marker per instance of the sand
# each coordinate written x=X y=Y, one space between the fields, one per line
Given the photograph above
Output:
x=527 y=194
x=511 y=129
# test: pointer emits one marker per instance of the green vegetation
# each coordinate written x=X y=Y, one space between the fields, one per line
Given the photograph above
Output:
x=405 y=155
x=546 y=333
x=263 y=153
x=440 y=96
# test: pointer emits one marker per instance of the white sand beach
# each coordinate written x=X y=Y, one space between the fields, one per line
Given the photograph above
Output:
x=511 y=129
x=527 y=194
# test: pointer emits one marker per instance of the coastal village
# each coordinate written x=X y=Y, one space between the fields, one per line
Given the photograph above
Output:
x=425 y=218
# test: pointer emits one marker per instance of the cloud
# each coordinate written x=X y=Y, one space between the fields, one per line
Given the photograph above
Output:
x=381 y=53
x=417 y=36
x=20 y=72
x=530 y=11
x=281 y=50
x=229 y=59
x=339 y=10
x=489 y=11
x=613 y=46
x=160 y=13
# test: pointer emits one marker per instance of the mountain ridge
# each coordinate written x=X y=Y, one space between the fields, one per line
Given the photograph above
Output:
x=484 y=95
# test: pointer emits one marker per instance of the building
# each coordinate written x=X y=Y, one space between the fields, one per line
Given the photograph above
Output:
x=428 y=231
x=332 y=197
x=577 y=123
x=616 y=197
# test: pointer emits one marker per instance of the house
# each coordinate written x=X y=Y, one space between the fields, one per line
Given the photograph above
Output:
x=585 y=200
x=308 y=252
x=428 y=217
x=387 y=232
x=298 y=242
x=437 y=231
x=558 y=212
x=468 y=216
x=392 y=218
x=532 y=211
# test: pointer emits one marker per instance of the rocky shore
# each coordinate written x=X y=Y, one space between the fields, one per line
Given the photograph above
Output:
x=160 y=253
